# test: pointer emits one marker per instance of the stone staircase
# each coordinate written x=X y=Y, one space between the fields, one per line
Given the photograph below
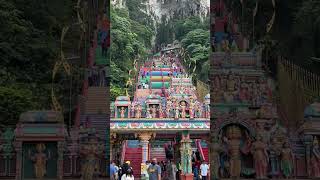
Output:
x=141 y=94
x=134 y=155
x=159 y=153
x=96 y=101
x=100 y=122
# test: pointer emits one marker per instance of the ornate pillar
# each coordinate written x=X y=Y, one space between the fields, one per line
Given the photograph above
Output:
x=60 y=160
x=18 y=148
x=144 y=140
x=186 y=159
x=308 y=139
x=113 y=139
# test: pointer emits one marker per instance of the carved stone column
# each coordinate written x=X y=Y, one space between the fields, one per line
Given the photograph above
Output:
x=308 y=143
x=113 y=139
x=186 y=159
x=144 y=139
x=60 y=160
x=18 y=148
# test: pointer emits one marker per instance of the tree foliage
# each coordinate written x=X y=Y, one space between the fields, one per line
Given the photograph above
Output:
x=29 y=45
x=131 y=36
x=13 y=103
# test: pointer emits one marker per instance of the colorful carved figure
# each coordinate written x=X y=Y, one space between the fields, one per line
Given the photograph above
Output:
x=231 y=83
x=315 y=159
x=215 y=162
x=260 y=156
x=138 y=111
x=176 y=112
x=40 y=161
x=90 y=164
x=148 y=114
x=208 y=111
x=199 y=110
x=160 y=111
x=154 y=111
x=287 y=160
x=191 y=109
x=122 y=112
x=233 y=142
x=243 y=93
x=168 y=109
x=183 y=107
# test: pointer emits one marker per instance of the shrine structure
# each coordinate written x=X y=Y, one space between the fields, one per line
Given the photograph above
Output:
x=165 y=119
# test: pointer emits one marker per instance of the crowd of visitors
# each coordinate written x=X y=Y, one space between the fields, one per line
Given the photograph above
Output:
x=164 y=170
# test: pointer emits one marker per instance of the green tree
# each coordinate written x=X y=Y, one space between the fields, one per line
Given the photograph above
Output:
x=13 y=103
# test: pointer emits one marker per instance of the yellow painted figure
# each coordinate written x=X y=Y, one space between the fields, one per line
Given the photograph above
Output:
x=40 y=161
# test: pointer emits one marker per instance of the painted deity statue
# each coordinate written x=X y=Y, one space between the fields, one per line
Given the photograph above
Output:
x=148 y=114
x=176 y=112
x=315 y=159
x=186 y=154
x=260 y=156
x=199 y=107
x=207 y=110
x=231 y=83
x=183 y=107
x=255 y=94
x=40 y=161
x=132 y=110
x=168 y=109
x=233 y=142
x=122 y=112
x=160 y=111
x=138 y=111
x=191 y=109
x=154 y=111
x=243 y=93
x=90 y=164
x=287 y=160
x=230 y=89
x=215 y=159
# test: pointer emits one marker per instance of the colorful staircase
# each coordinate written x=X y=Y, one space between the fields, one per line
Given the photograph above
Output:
x=99 y=122
x=159 y=153
x=206 y=153
x=134 y=155
x=96 y=102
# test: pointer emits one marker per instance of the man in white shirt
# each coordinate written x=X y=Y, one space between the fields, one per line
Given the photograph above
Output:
x=204 y=170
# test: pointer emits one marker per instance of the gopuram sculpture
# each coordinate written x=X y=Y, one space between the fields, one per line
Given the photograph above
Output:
x=287 y=163
x=233 y=141
x=40 y=161
x=122 y=112
x=138 y=111
x=261 y=158
x=90 y=152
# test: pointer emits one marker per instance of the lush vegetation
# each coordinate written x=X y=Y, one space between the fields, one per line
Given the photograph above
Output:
x=29 y=45
x=193 y=33
x=131 y=37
